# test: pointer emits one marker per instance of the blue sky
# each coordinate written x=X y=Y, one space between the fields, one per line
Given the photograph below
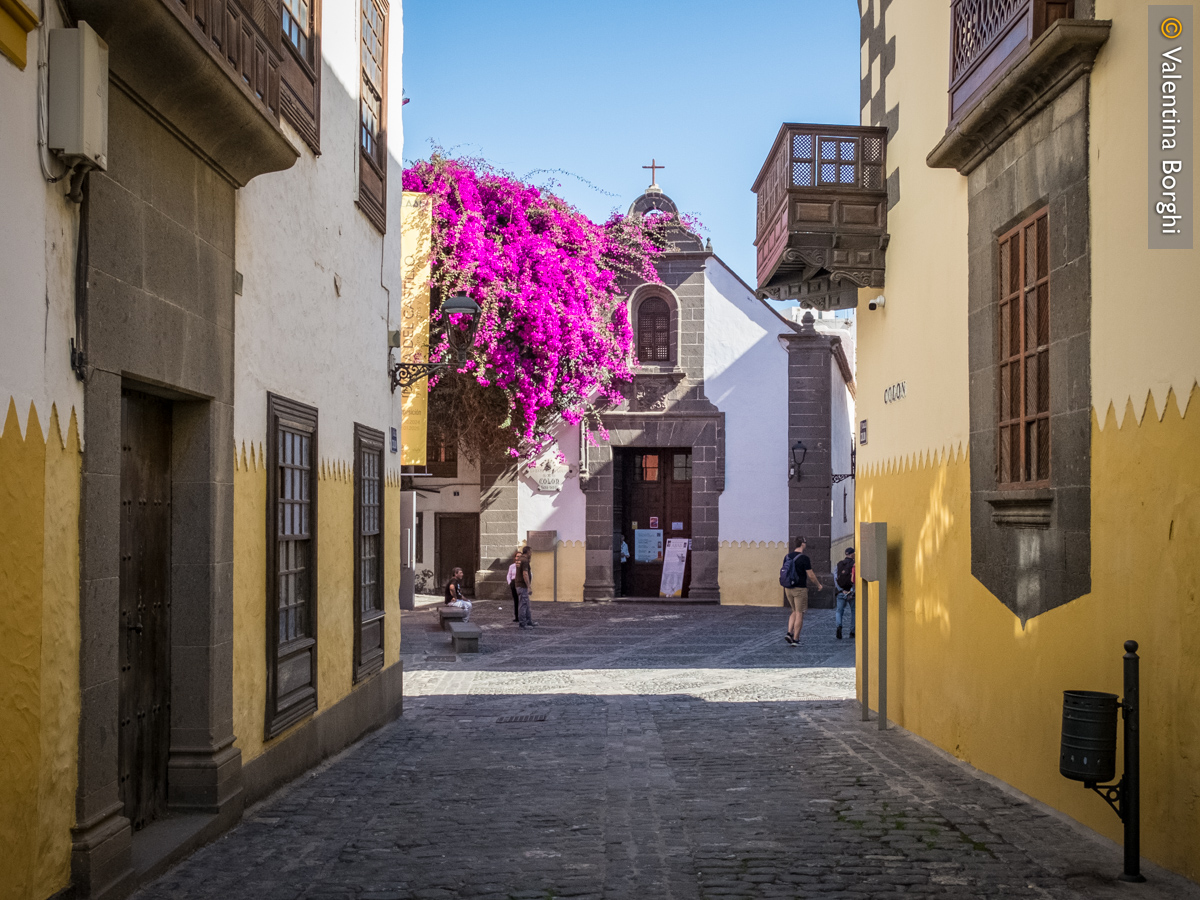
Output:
x=598 y=89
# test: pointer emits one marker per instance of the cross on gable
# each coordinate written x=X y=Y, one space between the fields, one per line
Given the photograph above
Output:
x=653 y=167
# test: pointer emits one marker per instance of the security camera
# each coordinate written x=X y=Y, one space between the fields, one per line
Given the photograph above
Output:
x=877 y=303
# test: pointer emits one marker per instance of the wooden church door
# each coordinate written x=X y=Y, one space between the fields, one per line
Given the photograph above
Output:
x=656 y=505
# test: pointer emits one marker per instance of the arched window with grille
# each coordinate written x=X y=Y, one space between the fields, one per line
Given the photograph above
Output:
x=654 y=331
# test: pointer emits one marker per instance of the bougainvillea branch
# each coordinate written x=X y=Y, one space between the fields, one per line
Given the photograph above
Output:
x=554 y=337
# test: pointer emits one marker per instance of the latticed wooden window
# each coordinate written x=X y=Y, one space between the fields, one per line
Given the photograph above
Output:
x=297 y=24
x=654 y=331
x=372 y=73
x=372 y=105
x=1024 y=354
x=368 y=550
x=294 y=502
x=291 y=539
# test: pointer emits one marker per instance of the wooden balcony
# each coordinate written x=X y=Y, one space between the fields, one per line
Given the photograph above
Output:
x=988 y=36
x=209 y=67
x=822 y=214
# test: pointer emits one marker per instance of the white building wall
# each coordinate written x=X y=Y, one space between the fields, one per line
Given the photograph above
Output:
x=38 y=231
x=843 y=434
x=563 y=511
x=745 y=375
x=320 y=283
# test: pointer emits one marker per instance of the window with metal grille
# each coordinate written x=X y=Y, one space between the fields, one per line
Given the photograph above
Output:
x=368 y=550
x=645 y=467
x=1024 y=354
x=654 y=331
x=291 y=539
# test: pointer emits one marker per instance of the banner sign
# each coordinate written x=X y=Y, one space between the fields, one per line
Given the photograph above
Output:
x=674 y=562
x=416 y=243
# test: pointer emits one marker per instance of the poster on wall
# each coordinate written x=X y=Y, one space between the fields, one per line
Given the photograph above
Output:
x=674 y=562
x=648 y=545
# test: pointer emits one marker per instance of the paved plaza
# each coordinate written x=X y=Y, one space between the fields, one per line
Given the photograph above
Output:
x=645 y=751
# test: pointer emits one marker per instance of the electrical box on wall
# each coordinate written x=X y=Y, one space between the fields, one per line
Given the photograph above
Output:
x=872 y=550
x=78 y=96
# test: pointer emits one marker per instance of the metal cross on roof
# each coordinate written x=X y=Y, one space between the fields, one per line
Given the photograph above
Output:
x=653 y=167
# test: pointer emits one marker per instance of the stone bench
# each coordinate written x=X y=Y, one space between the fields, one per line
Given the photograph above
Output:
x=465 y=637
x=448 y=615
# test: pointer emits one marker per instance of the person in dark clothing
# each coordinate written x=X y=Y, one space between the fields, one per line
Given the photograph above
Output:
x=797 y=597
x=512 y=584
x=524 y=582
x=454 y=594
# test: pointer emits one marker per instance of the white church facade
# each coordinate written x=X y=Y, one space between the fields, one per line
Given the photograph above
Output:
x=730 y=437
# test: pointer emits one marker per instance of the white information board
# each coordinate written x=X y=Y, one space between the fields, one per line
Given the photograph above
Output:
x=674 y=562
x=648 y=545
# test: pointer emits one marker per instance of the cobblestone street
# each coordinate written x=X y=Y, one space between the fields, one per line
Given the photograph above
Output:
x=649 y=751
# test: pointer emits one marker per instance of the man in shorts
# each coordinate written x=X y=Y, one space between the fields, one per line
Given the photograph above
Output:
x=797 y=597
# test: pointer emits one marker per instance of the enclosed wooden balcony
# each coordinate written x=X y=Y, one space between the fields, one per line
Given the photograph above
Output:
x=822 y=214
x=209 y=67
x=988 y=36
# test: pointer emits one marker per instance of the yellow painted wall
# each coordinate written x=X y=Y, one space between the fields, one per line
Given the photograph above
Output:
x=926 y=278
x=748 y=572
x=1158 y=353
x=39 y=652
x=963 y=672
x=335 y=594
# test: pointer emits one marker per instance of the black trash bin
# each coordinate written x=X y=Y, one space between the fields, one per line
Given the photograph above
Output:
x=1089 y=736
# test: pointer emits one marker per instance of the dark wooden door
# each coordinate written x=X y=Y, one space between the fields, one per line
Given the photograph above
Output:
x=456 y=544
x=145 y=606
x=657 y=495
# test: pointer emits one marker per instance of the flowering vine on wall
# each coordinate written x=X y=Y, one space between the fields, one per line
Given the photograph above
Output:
x=554 y=339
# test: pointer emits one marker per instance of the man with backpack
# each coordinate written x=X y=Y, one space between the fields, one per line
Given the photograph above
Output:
x=844 y=576
x=795 y=575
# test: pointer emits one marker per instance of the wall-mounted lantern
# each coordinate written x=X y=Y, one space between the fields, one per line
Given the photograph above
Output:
x=1089 y=754
x=460 y=317
x=799 y=452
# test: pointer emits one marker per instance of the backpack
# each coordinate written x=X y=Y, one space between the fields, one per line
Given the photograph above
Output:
x=787 y=572
x=845 y=574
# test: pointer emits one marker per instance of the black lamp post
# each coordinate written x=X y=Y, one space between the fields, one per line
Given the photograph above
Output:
x=799 y=452
x=460 y=335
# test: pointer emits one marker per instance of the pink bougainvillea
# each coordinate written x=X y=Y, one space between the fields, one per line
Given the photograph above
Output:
x=554 y=334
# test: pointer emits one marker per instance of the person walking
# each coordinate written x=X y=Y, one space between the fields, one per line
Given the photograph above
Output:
x=512 y=584
x=454 y=594
x=523 y=579
x=844 y=578
x=795 y=576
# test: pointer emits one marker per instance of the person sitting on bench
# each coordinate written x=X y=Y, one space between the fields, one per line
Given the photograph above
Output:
x=454 y=595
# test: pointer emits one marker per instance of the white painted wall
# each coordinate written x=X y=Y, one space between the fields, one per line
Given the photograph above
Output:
x=745 y=373
x=564 y=511
x=38 y=228
x=313 y=317
x=843 y=431
x=447 y=495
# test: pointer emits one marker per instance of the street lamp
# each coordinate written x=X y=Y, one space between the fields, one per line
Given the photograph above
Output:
x=799 y=452
x=461 y=336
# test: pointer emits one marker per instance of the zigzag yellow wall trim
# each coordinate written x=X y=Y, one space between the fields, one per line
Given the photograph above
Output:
x=39 y=651
x=966 y=674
